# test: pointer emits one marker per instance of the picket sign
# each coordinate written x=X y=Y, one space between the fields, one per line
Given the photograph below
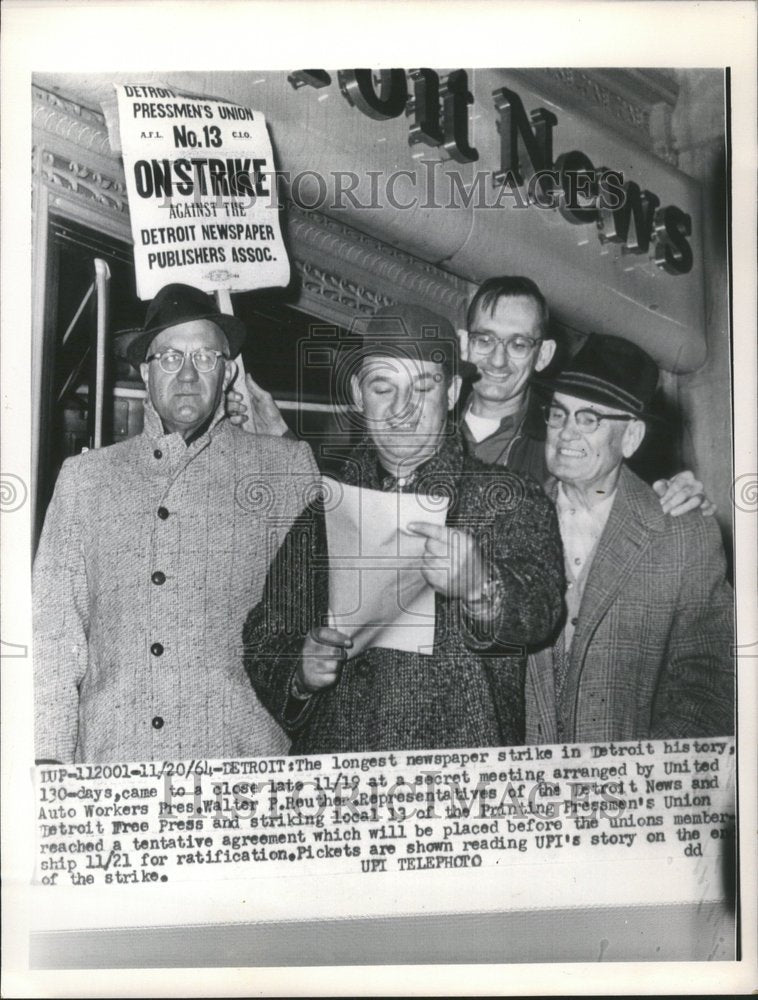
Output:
x=199 y=173
x=224 y=303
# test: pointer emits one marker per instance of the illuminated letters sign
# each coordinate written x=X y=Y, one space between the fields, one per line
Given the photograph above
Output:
x=584 y=194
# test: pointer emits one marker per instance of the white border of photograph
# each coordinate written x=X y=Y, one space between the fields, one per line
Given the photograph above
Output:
x=81 y=37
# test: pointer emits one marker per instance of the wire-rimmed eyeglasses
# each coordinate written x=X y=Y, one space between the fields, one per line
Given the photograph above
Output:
x=172 y=361
x=587 y=421
x=517 y=348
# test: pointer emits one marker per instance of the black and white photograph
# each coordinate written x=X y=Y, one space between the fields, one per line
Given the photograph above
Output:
x=382 y=509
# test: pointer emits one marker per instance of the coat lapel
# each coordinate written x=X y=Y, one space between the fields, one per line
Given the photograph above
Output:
x=634 y=521
x=541 y=717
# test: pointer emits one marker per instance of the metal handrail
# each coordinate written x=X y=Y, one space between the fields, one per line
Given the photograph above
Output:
x=102 y=283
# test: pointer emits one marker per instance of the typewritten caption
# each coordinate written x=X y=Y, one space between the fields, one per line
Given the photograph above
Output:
x=164 y=822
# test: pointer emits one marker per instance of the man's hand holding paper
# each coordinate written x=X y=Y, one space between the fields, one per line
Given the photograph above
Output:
x=440 y=569
x=379 y=593
x=324 y=654
x=453 y=564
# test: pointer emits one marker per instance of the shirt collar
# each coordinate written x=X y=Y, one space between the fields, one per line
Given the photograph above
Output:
x=439 y=473
x=598 y=512
x=154 y=430
x=510 y=423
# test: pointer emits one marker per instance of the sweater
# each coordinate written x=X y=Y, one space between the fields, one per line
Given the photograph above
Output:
x=470 y=691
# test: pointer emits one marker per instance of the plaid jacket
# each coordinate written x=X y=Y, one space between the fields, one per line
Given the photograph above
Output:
x=151 y=555
x=470 y=691
x=651 y=655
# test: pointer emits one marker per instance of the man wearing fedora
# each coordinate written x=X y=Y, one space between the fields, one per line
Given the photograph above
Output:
x=645 y=648
x=152 y=552
x=496 y=569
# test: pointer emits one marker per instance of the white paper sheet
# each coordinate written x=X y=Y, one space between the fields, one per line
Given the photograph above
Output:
x=377 y=594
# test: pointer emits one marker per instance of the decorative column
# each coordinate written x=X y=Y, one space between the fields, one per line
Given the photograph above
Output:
x=697 y=126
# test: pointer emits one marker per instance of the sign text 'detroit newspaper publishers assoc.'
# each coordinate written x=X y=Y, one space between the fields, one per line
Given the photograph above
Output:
x=199 y=173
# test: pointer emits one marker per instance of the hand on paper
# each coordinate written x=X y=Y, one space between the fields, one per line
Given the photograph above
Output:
x=683 y=493
x=266 y=418
x=453 y=561
x=324 y=654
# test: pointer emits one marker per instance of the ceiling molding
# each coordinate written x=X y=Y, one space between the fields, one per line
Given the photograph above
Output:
x=635 y=103
x=371 y=273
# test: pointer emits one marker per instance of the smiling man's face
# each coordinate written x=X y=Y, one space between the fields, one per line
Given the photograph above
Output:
x=590 y=461
x=187 y=399
x=405 y=404
x=503 y=379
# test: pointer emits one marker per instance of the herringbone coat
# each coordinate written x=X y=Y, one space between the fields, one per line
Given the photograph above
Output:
x=151 y=556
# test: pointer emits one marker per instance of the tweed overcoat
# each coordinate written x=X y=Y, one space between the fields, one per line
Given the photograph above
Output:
x=151 y=555
x=469 y=691
x=651 y=654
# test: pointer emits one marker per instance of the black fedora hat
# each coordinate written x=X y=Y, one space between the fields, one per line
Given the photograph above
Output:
x=407 y=331
x=175 y=304
x=610 y=371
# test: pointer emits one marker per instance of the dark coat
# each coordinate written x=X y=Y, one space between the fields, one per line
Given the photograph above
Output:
x=469 y=692
x=652 y=655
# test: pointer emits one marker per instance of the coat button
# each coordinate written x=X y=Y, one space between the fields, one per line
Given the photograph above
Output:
x=158 y=577
x=157 y=722
x=157 y=453
x=574 y=622
x=156 y=649
x=162 y=513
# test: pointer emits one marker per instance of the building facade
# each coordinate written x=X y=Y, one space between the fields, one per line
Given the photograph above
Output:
x=399 y=186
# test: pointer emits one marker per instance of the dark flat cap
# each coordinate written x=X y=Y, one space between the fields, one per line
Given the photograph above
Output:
x=610 y=371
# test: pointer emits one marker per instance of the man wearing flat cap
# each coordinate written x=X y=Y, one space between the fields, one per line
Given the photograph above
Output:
x=153 y=551
x=495 y=567
x=646 y=646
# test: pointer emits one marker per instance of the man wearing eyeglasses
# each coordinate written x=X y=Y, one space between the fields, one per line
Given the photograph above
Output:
x=495 y=567
x=152 y=553
x=644 y=652
x=507 y=337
